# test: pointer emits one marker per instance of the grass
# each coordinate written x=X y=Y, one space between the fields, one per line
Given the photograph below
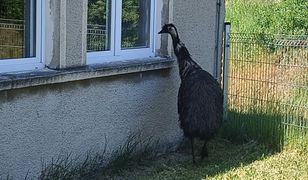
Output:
x=226 y=161
x=141 y=160
x=100 y=164
x=268 y=16
x=67 y=168
x=264 y=127
x=289 y=164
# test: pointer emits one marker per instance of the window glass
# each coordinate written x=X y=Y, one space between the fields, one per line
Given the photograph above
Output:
x=136 y=23
x=119 y=30
x=99 y=21
x=17 y=29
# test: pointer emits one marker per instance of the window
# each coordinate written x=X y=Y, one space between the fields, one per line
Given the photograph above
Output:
x=120 y=29
x=20 y=35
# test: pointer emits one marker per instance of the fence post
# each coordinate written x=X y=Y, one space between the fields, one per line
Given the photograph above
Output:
x=227 y=46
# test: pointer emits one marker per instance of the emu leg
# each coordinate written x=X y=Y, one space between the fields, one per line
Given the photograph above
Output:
x=192 y=150
x=204 y=152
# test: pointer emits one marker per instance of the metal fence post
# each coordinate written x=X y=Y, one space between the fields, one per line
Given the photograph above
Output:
x=227 y=45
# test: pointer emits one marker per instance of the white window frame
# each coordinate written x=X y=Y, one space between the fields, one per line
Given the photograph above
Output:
x=24 y=64
x=116 y=53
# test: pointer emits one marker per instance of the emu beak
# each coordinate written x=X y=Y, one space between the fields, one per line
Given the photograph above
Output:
x=163 y=31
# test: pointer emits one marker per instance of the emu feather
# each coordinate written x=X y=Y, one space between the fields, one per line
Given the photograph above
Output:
x=200 y=99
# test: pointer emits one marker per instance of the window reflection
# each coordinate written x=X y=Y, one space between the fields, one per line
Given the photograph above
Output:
x=136 y=23
x=99 y=17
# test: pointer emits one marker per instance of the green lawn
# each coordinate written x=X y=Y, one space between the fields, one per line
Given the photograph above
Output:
x=226 y=161
x=289 y=164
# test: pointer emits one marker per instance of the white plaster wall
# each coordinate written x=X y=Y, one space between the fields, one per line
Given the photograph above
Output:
x=44 y=122
x=65 y=33
x=195 y=20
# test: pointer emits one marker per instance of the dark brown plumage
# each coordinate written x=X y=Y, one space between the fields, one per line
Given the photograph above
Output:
x=200 y=99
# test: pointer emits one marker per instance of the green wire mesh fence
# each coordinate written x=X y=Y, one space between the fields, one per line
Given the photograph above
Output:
x=266 y=94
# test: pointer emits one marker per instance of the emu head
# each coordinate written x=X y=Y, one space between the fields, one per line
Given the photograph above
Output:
x=170 y=29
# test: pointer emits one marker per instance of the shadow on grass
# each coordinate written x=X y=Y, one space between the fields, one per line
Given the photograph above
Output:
x=244 y=138
x=264 y=127
x=223 y=156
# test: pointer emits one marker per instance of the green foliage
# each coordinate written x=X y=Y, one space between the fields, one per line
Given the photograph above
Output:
x=130 y=12
x=132 y=18
x=13 y=9
x=97 y=12
x=130 y=22
x=270 y=17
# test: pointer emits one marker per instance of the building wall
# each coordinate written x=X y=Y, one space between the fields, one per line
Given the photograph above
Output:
x=42 y=122
x=197 y=24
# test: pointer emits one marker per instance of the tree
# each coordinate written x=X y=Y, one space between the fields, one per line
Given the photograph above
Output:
x=12 y=9
x=97 y=12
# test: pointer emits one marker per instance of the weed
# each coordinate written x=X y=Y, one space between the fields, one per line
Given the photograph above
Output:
x=134 y=150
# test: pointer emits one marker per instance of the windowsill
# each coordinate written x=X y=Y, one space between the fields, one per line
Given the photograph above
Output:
x=47 y=76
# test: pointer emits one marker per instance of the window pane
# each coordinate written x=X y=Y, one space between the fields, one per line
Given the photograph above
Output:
x=17 y=28
x=136 y=23
x=99 y=18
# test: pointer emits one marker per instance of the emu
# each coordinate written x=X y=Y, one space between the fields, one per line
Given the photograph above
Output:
x=200 y=98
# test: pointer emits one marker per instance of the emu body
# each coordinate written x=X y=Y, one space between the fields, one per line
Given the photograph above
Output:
x=200 y=99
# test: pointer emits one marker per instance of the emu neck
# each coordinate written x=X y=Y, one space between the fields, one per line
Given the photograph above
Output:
x=175 y=41
x=184 y=60
x=186 y=65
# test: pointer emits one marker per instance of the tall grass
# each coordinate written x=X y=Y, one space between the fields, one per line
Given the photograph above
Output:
x=268 y=16
x=100 y=165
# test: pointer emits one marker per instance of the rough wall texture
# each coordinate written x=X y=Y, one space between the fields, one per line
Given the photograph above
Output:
x=196 y=25
x=44 y=122
x=65 y=33
x=76 y=33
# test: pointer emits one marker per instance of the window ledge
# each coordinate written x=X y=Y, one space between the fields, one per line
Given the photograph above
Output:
x=47 y=76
